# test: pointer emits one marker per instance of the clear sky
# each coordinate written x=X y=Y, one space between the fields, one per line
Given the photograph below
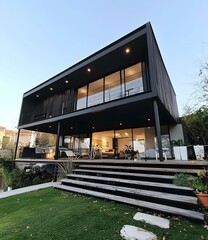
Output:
x=40 y=38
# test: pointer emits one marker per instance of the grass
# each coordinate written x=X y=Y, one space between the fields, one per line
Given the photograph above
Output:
x=52 y=214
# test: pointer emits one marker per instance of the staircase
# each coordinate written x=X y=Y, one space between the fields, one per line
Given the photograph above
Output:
x=147 y=185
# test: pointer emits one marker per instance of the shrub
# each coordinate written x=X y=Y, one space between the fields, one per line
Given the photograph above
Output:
x=5 y=155
x=184 y=180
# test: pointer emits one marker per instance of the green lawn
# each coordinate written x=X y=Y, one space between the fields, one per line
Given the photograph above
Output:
x=53 y=214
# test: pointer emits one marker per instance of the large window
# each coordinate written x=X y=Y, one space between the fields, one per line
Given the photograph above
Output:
x=117 y=85
x=82 y=98
x=113 y=88
x=95 y=93
x=133 y=80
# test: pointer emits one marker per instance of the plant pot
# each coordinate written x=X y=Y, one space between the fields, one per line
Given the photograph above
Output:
x=203 y=198
x=180 y=153
x=199 y=152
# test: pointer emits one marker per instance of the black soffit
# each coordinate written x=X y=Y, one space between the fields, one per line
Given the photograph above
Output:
x=110 y=62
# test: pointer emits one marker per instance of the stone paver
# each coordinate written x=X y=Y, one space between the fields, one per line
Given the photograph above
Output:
x=129 y=232
x=154 y=220
x=27 y=189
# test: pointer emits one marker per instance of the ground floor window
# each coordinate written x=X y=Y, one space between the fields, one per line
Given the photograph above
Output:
x=113 y=143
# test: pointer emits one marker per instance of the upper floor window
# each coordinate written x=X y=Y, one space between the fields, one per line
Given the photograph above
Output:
x=133 y=80
x=95 y=93
x=82 y=98
x=120 y=84
x=113 y=88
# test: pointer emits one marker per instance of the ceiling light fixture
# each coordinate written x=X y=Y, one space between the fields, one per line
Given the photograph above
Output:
x=37 y=95
x=66 y=81
x=127 y=50
x=51 y=89
x=89 y=69
x=121 y=124
x=148 y=119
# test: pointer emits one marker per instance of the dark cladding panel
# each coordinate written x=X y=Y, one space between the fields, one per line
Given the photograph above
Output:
x=163 y=85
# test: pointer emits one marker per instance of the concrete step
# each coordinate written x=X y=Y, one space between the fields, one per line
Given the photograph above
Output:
x=186 y=202
x=162 y=187
x=192 y=215
x=128 y=175
x=138 y=169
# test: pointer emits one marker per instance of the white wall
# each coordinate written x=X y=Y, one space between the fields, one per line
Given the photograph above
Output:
x=176 y=132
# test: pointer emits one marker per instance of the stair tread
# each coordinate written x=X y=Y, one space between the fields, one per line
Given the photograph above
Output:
x=147 y=193
x=170 y=170
x=139 y=203
x=119 y=180
x=125 y=174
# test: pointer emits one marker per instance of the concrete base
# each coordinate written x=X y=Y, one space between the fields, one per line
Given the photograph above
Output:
x=129 y=232
x=154 y=220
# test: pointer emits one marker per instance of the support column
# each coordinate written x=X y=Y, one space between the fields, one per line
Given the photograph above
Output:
x=15 y=153
x=158 y=130
x=57 y=140
x=57 y=151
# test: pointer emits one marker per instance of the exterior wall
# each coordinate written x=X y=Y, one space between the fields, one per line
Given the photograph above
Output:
x=160 y=78
x=176 y=132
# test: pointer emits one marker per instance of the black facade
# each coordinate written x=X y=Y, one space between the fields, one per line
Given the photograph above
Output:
x=123 y=86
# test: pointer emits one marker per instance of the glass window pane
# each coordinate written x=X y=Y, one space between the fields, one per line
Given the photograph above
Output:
x=113 y=88
x=95 y=93
x=133 y=80
x=124 y=137
x=82 y=97
x=139 y=140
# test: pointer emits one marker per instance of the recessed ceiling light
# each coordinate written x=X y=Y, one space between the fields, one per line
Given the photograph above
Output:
x=66 y=81
x=50 y=126
x=121 y=124
x=71 y=127
x=37 y=95
x=148 y=119
x=51 y=89
x=89 y=69
x=93 y=127
x=127 y=50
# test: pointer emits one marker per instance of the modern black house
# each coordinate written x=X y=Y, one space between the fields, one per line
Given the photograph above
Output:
x=118 y=96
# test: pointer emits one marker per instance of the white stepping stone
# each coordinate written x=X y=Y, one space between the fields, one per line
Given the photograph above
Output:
x=130 y=232
x=154 y=220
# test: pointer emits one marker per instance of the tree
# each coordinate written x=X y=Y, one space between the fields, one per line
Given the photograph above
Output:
x=195 y=118
x=45 y=140
x=196 y=126
x=200 y=95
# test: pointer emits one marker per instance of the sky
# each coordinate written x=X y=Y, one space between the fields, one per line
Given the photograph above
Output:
x=40 y=38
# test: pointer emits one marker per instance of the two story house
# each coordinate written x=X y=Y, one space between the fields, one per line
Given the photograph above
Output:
x=119 y=96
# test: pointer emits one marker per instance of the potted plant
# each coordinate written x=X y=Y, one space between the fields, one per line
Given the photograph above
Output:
x=200 y=186
x=129 y=152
